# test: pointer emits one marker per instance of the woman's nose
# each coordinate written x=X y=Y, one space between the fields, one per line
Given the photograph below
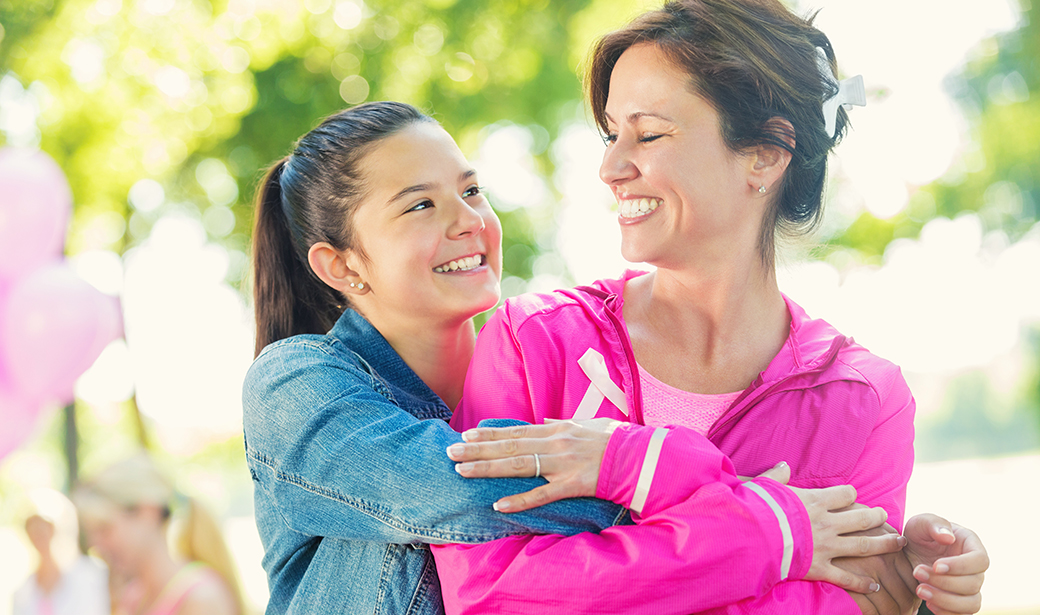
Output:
x=617 y=166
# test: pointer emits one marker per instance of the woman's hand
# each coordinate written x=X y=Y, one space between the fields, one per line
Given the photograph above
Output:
x=839 y=530
x=949 y=561
x=568 y=456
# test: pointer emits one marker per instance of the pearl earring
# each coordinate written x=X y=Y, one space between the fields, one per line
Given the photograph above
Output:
x=762 y=189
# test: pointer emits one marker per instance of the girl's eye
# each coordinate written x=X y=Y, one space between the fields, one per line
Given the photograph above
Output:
x=472 y=191
x=609 y=138
x=426 y=204
x=649 y=138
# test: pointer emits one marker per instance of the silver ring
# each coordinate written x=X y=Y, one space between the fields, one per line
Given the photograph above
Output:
x=537 y=466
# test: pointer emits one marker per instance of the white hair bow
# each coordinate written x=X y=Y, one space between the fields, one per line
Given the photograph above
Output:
x=850 y=92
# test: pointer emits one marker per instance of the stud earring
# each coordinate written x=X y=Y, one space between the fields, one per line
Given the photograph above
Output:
x=762 y=189
x=353 y=285
x=361 y=286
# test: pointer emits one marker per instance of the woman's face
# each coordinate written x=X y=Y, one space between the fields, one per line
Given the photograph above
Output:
x=432 y=241
x=123 y=536
x=682 y=194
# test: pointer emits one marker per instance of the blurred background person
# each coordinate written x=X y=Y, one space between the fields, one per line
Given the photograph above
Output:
x=127 y=511
x=65 y=580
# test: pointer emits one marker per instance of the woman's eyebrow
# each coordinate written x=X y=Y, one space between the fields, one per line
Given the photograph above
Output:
x=638 y=115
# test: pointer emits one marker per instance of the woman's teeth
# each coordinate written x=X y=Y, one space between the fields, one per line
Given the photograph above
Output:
x=463 y=264
x=633 y=208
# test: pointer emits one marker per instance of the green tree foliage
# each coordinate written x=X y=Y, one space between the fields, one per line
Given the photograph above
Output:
x=1000 y=91
x=199 y=95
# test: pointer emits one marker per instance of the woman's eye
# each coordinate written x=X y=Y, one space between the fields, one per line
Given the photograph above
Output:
x=426 y=204
x=472 y=191
x=609 y=138
x=649 y=137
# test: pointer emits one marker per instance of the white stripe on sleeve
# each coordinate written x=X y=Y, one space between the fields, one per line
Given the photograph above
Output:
x=646 y=473
x=785 y=528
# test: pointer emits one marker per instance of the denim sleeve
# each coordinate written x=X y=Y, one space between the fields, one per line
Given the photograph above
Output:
x=335 y=458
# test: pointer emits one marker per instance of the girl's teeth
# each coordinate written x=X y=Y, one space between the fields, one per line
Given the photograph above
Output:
x=464 y=264
x=631 y=208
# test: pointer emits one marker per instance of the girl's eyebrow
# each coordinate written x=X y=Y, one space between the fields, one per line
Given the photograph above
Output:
x=427 y=186
x=410 y=190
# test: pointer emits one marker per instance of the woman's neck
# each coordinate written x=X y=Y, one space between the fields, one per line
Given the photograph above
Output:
x=706 y=332
x=154 y=573
x=438 y=353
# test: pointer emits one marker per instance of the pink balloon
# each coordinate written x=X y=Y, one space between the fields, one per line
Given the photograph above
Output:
x=53 y=330
x=35 y=202
x=18 y=419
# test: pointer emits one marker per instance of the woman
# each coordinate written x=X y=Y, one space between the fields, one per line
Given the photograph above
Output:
x=716 y=143
x=375 y=231
x=126 y=510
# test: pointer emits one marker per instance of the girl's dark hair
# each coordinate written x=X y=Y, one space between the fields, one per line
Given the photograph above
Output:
x=753 y=61
x=308 y=197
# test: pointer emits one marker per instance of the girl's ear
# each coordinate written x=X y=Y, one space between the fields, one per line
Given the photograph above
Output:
x=332 y=266
x=767 y=161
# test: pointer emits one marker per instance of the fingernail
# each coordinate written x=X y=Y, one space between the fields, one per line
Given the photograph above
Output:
x=901 y=541
x=921 y=574
x=463 y=467
x=468 y=435
x=874 y=587
x=923 y=593
x=782 y=464
x=942 y=568
x=501 y=505
x=456 y=450
x=945 y=530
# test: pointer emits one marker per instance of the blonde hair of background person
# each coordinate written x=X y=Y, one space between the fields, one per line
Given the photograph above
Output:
x=64 y=581
x=127 y=510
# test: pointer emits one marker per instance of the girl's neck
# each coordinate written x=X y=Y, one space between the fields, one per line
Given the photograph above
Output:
x=438 y=353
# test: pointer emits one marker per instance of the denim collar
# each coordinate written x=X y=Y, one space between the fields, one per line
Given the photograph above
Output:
x=380 y=359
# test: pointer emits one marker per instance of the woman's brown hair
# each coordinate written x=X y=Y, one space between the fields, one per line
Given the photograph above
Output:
x=753 y=61
x=308 y=197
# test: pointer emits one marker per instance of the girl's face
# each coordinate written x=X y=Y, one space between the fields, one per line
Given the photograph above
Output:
x=431 y=241
x=682 y=193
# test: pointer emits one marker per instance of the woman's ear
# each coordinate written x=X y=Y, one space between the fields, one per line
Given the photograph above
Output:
x=769 y=161
x=332 y=266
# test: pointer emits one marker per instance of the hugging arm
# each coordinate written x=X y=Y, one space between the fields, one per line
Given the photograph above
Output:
x=335 y=458
x=702 y=533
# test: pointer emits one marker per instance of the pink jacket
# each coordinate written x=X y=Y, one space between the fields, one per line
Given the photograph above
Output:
x=703 y=541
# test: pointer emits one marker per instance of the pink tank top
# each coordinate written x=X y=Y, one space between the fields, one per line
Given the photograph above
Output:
x=667 y=405
x=189 y=577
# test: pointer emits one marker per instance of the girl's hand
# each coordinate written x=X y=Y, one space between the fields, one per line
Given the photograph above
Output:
x=568 y=456
x=835 y=516
x=950 y=563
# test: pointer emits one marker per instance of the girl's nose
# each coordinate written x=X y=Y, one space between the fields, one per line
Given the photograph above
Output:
x=468 y=221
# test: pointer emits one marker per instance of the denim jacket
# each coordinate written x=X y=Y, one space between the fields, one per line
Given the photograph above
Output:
x=346 y=448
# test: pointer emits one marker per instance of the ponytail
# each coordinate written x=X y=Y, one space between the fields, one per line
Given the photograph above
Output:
x=308 y=197
x=288 y=298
